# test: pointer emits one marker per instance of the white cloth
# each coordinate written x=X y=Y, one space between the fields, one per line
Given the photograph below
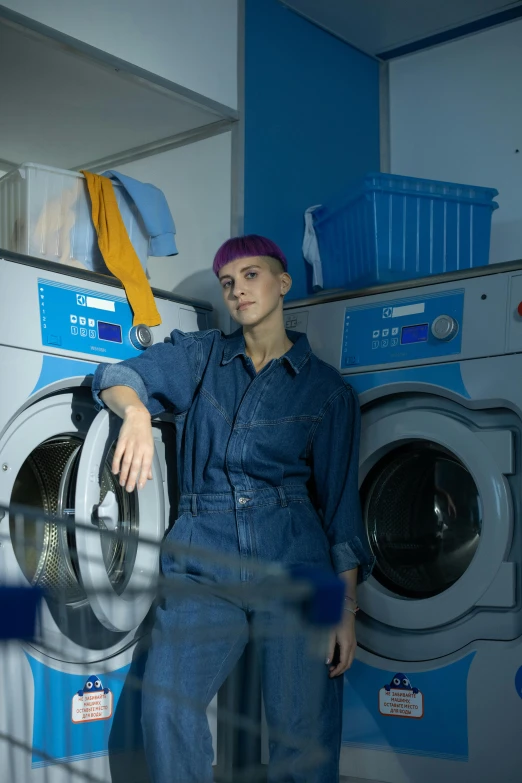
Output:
x=311 y=248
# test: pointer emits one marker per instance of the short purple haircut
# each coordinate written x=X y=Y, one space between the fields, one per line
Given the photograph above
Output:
x=245 y=247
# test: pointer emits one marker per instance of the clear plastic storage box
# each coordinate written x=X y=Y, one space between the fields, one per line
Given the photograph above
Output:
x=392 y=228
x=46 y=213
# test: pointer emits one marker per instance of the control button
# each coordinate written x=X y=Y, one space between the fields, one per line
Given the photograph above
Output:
x=394 y=341
x=384 y=343
x=74 y=330
x=92 y=334
x=376 y=333
x=387 y=312
x=444 y=327
x=83 y=332
x=83 y=321
x=91 y=321
x=74 y=319
x=54 y=339
x=351 y=360
x=141 y=336
x=395 y=330
x=375 y=344
x=243 y=501
x=385 y=332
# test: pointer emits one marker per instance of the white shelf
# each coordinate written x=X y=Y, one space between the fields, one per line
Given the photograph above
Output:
x=61 y=108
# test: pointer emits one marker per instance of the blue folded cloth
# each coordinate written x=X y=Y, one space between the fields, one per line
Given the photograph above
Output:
x=154 y=210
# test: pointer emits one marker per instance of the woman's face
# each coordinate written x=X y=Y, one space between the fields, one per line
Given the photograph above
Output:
x=253 y=288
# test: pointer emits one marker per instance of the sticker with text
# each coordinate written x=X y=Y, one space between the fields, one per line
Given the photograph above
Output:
x=92 y=702
x=400 y=699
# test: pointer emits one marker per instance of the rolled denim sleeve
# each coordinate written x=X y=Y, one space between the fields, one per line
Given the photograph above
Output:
x=164 y=377
x=335 y=463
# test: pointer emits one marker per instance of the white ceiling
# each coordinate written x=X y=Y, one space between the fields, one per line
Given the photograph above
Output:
x=376 y=26
x=61 y=109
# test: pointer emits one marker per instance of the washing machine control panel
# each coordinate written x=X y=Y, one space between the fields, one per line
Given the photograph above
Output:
x=84 y=321
x=403 y=329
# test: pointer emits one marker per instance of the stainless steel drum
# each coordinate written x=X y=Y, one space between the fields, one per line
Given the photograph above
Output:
x=46 y=551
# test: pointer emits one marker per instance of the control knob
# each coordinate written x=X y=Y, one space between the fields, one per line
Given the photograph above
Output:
x=444 y=328
x=141 y=337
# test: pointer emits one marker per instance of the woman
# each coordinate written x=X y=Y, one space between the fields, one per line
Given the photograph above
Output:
x=268 y=461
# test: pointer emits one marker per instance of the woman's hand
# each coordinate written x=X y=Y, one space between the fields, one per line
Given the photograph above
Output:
x=344 y=637
x=135 y=449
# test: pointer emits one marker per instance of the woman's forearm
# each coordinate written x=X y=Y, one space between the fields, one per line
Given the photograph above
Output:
x=121 y=400
x=350 y=579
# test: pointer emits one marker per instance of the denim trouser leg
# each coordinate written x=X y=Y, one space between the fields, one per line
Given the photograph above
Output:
x=197 y=640
x=303 y=708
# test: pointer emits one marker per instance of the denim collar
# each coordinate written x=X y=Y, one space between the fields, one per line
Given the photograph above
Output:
x=296 y=357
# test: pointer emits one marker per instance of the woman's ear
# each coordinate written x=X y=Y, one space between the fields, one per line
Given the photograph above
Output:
x=286 y=283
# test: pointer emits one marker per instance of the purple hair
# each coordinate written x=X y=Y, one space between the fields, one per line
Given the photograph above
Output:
x=245 y=247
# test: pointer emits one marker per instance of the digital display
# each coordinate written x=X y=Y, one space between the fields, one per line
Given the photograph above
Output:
x=418 y=333
x=111 y=332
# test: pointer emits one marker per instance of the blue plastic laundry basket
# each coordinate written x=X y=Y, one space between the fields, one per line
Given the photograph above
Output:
x=391 y=228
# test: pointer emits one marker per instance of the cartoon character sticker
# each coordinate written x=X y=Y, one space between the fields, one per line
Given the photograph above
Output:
x=400 y=699
x=92 y=702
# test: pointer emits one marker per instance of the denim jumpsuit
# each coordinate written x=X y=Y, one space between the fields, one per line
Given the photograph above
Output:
x=268 y=469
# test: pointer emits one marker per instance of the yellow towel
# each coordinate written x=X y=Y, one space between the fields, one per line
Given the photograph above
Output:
x=118 y=252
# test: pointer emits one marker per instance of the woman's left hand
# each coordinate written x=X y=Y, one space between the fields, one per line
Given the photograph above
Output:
x=344 y=637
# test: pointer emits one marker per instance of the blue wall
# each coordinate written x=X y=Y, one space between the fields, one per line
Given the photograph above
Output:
x=311 y=124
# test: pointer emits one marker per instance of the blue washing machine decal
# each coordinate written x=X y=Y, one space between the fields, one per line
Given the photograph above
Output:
x=80 y=717
x=423 y=713
x=446 y=376
x=56 y=368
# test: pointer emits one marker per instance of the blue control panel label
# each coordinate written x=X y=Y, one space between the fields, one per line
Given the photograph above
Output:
x=403 y=330
x=84 y=321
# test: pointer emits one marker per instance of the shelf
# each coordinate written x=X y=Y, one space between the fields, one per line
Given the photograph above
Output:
x=62 y=108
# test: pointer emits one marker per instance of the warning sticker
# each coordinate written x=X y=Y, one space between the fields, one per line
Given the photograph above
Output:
x=93 y=702
x=400 y=699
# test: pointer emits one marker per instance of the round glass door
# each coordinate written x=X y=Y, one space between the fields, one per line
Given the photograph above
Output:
x=56 y=462
x=424 y=519
x=438 y=511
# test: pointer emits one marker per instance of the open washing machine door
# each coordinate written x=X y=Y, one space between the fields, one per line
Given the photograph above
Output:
x=439 y=515
x=120 y=587
x=55 y=457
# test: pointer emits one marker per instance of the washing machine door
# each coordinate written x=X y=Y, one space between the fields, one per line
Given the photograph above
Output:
x=100 y=569
x=439 y=515
x=120 y=594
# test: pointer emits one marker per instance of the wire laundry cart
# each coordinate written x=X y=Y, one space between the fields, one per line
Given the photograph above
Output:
x=71 y=678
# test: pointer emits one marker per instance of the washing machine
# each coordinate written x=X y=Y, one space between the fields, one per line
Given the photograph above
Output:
x=435 y=692
x=56 y=324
